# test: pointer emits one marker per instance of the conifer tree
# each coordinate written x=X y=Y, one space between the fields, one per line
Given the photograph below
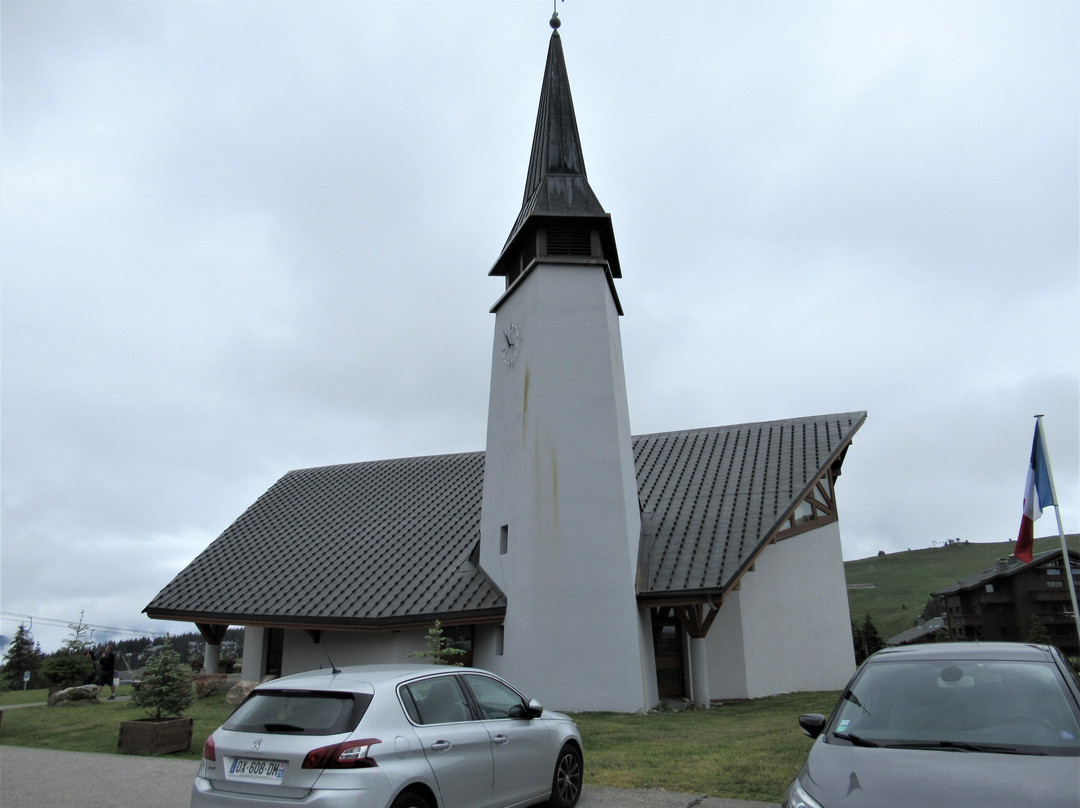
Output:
x=438 y=650
x=869 y=640
x=166 y=688
x=23 y=656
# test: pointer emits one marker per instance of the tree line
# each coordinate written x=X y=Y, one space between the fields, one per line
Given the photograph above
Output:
x=25 y=665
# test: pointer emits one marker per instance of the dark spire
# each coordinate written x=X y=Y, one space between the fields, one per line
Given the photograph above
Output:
x=558 y=199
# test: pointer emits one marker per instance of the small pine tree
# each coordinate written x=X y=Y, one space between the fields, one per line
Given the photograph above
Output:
x=79 y=641
x=23 y=656
x=166 y=688
x=437 y=648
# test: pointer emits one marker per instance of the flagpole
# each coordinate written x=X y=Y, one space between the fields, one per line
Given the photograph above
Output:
x=1061 y=531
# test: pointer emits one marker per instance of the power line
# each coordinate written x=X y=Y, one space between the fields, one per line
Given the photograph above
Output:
x=57 y=623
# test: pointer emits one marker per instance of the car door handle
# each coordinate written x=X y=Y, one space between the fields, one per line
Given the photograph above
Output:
x=500 y=740
x=441 y=746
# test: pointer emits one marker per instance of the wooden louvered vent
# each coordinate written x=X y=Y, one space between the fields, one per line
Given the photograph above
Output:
x=566 y=239
x=563 y=239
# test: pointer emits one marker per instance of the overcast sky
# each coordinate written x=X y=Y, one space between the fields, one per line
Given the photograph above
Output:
x=241 y=238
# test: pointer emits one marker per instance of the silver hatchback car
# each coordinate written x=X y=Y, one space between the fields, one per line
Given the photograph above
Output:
x=406 y=736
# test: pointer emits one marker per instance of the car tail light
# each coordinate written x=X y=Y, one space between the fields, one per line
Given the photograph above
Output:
x=345 y=755
x=209 y=751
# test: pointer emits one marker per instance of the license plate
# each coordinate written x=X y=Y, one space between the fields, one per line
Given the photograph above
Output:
x=254 y=770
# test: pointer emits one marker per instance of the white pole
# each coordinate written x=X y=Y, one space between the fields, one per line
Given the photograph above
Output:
x=1061 y=531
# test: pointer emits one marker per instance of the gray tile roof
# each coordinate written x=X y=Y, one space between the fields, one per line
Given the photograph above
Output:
x=389 y=542
x=1003 y=569
x=361 y=544
x=711 y=497
x=917 y=633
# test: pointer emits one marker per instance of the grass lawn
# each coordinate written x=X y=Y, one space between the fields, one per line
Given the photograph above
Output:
x=742 y=750
x=748 y=750
x=95 y=727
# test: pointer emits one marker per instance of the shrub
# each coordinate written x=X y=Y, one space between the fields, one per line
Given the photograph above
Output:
x=67 y=670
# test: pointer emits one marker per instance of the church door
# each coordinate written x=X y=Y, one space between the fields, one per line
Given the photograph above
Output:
x=668 y=645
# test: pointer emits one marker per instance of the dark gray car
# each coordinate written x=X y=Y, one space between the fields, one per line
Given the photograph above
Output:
x=948 y=724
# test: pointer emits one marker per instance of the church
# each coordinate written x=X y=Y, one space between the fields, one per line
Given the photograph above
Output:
x=593 y=568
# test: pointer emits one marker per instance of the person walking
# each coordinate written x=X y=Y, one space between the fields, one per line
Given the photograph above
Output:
x=106 y=671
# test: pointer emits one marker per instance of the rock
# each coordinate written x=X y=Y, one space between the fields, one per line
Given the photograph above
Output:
x=73 y=695
x=206 y=684
x=240 y=691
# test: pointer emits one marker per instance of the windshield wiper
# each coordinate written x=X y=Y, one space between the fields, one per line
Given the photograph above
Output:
x=857 y=740
x=964 y=746
x=282 y=728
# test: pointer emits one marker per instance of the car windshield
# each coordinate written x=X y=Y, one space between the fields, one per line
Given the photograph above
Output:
x=996 y=706
x=299 y=712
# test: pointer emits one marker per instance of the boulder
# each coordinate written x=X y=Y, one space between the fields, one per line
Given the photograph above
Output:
x=206 y=684
x=240 y=691
x=73 y=695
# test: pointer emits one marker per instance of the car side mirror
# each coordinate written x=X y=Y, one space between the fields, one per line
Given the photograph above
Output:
x=531 y=710
x=812 y=724
x=527 y=711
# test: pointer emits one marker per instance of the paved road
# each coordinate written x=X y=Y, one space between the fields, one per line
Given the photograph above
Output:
x=39 y=778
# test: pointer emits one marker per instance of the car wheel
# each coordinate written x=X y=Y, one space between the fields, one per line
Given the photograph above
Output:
x=566 y=784
x=409 y=799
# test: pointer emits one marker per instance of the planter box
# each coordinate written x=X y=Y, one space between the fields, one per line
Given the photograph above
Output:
x=147 y=736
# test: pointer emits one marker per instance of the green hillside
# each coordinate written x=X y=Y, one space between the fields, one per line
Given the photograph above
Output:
x=902 y=582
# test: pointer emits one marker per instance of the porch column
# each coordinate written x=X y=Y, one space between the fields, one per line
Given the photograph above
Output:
x=696 y=620
x=699 y=672
x=213 y=634
x=254 y=651
x=211 y=657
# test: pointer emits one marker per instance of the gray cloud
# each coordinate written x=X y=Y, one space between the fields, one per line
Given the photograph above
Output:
x=245 y=238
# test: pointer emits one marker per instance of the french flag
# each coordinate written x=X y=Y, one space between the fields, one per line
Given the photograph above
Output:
x=1038 y=494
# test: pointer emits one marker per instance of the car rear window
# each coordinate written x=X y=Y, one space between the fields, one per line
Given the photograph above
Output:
x=299 y=712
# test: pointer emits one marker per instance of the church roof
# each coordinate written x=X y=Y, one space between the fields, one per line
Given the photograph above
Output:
x=713 y=498
x=556 y=187
x=388 y=543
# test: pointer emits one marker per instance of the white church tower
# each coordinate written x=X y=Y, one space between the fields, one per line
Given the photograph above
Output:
x=560 y=524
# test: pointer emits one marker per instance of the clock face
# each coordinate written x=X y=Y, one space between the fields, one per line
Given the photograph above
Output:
x=511 y=337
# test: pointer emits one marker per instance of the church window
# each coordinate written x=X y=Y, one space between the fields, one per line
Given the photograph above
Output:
x=804 y=512
x=817 y=508
x=504 y=539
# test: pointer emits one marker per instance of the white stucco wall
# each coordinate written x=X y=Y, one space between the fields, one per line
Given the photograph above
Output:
x=792 y=610
x=302 y=653
x=727 y=659
x=560 y=475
